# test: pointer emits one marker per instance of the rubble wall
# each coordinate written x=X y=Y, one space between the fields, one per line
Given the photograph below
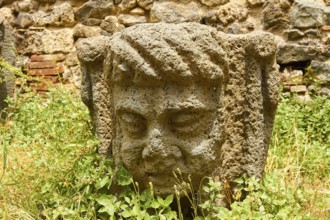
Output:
x=47 y=31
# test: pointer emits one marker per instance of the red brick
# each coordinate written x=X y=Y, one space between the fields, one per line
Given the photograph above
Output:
x=47 y=57
x=41 y=65
x=40 y=79
x=46 y=72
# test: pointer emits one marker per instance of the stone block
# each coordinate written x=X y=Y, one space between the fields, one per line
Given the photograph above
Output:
x=307 y=14
x=129 y=20
x=166 y=96
x=43 y=41
x=173 y=12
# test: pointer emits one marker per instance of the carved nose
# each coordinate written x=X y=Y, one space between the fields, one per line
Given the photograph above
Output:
x=155 y=145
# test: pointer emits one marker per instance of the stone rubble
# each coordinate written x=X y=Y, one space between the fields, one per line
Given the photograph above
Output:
x=49 y=27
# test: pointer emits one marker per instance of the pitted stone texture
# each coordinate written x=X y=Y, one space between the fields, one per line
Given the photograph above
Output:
x=95 y=88
x=168 y=97
x=45 y=41
x=309 y=14
x=94 y=9
x=7 y=52
x=173 y=12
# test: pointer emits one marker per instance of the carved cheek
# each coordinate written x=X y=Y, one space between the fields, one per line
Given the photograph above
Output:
x=131 y=151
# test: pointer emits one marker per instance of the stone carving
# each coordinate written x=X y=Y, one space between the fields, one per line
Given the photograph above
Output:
x=184 y=96
x=7 y=52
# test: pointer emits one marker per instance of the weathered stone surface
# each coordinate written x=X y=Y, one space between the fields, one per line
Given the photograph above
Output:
x=137 y=11
x=129 y=20
x=94 y=9
x=110 y=24
x=6 y=13
x=307 y=14
x=294 y=34
x=214 y=2
x=7 y=52
x=82 y=31
x=91 y=53
x=322 y=71
x=165 y=96
x=61 y=15
x=24 y=20
x=172 y=12
x=44 y=41
x=230 y=14
x=275 y=13
x=254 y=3
x=289 y=53
x=128 y=4
x=145 y=4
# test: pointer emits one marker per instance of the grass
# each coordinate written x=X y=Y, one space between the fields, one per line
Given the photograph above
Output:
x=49 y=168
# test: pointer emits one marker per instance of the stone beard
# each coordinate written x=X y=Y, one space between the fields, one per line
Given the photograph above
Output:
x=184 y=96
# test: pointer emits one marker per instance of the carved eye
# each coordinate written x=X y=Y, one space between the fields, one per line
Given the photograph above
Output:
x=133 y=124
x=187 y=122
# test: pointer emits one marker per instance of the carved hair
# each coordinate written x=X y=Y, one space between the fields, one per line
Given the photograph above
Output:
x=178 y=53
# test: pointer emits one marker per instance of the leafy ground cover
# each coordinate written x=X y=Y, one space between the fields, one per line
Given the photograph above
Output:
x=50 y=169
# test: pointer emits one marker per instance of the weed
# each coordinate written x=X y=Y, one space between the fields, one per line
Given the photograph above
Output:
x=50 y=169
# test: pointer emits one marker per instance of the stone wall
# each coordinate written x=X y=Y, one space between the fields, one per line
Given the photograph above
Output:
x=51 y=28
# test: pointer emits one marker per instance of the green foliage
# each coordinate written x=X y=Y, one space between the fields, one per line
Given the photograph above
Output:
x=50 y=169
x=301 y=137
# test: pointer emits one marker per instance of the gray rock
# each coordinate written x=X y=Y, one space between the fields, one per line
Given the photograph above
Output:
x=24 y=20
x=110 y=24
x=82 y=31
x=129 y=20
x=91 y=21
x=307 y=14
x=94 y=9
x=275 y=14
x=7 y=52
x=62 y=15
x=172 y=12
x=289 y=53
x=322 y=71
x=165 y=96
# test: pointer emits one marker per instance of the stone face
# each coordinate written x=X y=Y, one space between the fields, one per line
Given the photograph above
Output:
x=165 y=96
x=172 y=12
x=44 y=41
x=7 y=52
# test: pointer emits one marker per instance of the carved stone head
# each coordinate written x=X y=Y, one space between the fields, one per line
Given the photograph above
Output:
x=181 y=96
